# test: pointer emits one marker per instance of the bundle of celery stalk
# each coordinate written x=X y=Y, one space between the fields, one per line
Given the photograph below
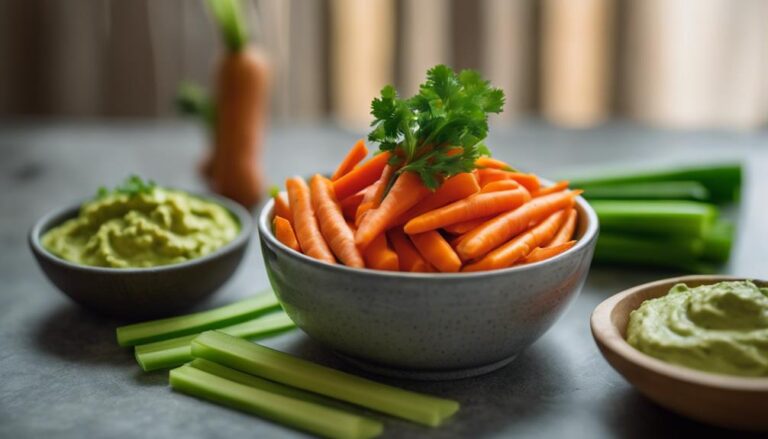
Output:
x=665 y=218
x=219 y=365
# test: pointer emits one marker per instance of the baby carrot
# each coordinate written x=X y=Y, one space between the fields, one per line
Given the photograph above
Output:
x=500 y=229
x=529 y=181
x=350 y=204
x=379 y=256
x=557 y=187
x=465 y=226
x=305 y=223
x=566 y=231
x=489 y=175
x=436 y=250
x=282 y=208
x=518 y=247
x=360 y=177
x=284 y=233
x=542 y=253
x=334 y=229
x=404 y=194
x=374 y=194
x=488 y=162
x=476 y=206
x=353 y=157
x=500 y=185
x=453 y=189
x=408 y=256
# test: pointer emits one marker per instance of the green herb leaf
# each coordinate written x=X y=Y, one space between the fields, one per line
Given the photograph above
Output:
x=450 y=110
x=133 y=185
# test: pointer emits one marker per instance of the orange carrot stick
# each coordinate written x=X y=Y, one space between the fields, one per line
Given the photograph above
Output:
x=333 y=227
x=374 y=193
x=404 y=194
x=284 y=233
x=305 y=223
x=489 y=175
x=379 y=256
x=518 y=247
x=500 y=229
x=361 y=177
x=436 y=250
x=465 y=226
x=353 y=157
x=476 y=206
x=500 y=185
x=543 y=253
x=488 y=162
x=453 y=189
x=282 y=208
x=557 y=187
x=410 y=259
x=350 y=204
x=565 y=233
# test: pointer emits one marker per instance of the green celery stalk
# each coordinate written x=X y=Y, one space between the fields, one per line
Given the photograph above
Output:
x=174 y=352
x=146 y=332
x=292 y=371
x=668 y=218
x=307 y=416
x=661 y=190
x=681 y=254
x=723 y=181
x=718 y=242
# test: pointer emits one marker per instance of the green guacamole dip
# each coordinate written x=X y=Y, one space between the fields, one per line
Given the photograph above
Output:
x=147 y=229
x=721 y=328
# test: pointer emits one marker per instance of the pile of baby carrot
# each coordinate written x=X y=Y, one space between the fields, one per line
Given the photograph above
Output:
x=369 y=215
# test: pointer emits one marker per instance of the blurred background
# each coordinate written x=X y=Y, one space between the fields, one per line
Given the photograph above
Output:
x=667 y=63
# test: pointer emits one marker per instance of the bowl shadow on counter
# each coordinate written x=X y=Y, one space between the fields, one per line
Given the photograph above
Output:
x=516 y=393
x=73 y=334
x=633 y=416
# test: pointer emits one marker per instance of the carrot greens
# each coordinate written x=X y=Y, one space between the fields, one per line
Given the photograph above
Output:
x=451 y=110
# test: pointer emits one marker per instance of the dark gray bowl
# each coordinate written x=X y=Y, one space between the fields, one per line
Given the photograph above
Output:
x=427 y=325
x=138 y=293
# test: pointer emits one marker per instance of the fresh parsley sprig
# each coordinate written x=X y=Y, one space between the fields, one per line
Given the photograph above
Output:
x=451 y=110
x=132 y=185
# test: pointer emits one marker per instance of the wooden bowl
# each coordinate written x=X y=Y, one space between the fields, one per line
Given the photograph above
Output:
x=723 y=400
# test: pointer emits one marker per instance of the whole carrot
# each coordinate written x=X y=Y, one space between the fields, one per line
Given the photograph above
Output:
x=350 y=204
x=353 y=157
x=407 y=190
x=333 y=227
x=379 y=256
x=500 y=185
x=305 y=224
x=519 y=247
x=544 y=253
x=436 y=250
x=557 y=187
x=453 y=189
x=242 y=89
x=476 y=206
x=284 y=233
x=282 y=208
x=500 y=229
x=489 y=162
x=408 y=257
x=565 y=233
x=466 y=226
x=361 y=177
x=374 y=194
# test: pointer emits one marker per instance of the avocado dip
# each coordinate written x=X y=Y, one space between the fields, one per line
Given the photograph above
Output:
x=721 y=328
x=146 y=228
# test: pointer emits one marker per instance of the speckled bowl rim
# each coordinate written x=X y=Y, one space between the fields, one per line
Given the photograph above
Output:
x=612 y=339
x=587 y=239
x=69 y=211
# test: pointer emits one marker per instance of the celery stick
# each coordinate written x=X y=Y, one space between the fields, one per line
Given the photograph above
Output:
x=662 y=190
x=307 y=416
x=177 y=351
x=287 y=369
x=723 y=181
x=681 y=254
x=669 y=218
x=718 y=242
x=140 y=333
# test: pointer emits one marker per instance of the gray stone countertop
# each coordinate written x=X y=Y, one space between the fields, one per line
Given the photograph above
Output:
x=63 y=375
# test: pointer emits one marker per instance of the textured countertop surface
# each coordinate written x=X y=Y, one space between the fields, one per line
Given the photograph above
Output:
x=63 y=375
